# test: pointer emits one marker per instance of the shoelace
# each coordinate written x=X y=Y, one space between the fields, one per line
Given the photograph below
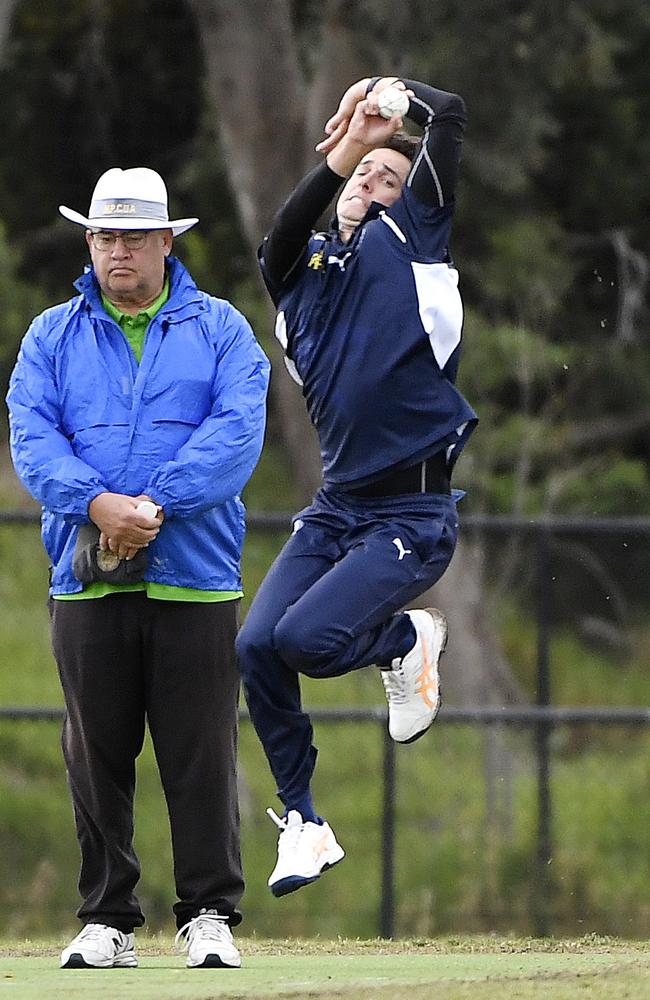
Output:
x=278 y=820
x=394 y=683
x=290 y=834
x=211 y=925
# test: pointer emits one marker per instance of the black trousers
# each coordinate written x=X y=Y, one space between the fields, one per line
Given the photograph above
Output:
x=125 y=659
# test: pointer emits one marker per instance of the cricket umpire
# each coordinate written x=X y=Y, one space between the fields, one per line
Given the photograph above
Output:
x=142 y=387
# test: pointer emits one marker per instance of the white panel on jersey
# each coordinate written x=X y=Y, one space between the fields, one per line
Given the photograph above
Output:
x=293 y=371
x=392 y=225
x=460 y=431
x=281 y=334
x=281 y=329
x=440 y=307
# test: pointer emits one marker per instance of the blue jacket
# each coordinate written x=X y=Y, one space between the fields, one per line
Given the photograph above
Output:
x=185 y=426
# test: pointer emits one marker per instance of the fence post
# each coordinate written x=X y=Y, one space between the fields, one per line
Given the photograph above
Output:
x=542 y=732
x=387 y=913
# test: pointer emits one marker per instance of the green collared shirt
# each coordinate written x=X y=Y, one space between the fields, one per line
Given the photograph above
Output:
x=134 y=329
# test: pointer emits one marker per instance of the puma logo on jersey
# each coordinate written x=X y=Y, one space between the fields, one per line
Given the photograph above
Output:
x=397 y=542
x=341 y=261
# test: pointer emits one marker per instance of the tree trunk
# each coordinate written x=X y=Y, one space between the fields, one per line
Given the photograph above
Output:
x=258 y=93
x=475 y=671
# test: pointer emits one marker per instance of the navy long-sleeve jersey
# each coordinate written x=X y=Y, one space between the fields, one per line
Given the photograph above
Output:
x=371 y=327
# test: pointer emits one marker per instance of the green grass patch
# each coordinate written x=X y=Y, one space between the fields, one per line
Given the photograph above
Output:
x=466 y=798
x=354 y=970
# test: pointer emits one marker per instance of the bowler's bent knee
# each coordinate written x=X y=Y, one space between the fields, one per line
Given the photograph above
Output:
x=254 y=647
x=305 y=649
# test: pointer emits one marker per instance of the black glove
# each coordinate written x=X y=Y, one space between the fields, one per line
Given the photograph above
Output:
x=90 y=563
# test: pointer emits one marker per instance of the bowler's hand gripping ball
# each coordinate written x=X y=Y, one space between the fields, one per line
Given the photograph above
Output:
x=392 y=101
x=147 y=508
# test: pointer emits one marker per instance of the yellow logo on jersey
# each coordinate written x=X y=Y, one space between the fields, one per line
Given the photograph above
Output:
x=316 y=260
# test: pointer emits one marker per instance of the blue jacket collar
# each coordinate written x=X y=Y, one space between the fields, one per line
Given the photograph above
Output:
x=182 y=287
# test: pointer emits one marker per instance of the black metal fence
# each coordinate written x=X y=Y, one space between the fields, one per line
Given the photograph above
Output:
x=541 y=718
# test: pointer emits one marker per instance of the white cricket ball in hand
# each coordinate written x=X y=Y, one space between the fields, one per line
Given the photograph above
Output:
x=147 y=508
x=392 y=101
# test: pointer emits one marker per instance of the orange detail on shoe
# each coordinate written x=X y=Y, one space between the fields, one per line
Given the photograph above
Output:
x=425 y=682
x=321 y=845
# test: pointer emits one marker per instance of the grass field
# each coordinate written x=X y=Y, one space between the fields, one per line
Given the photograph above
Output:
x=466 y=800
x=468 y=968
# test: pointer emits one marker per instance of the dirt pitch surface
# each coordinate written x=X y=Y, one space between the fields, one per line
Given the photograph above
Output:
x=463 y=968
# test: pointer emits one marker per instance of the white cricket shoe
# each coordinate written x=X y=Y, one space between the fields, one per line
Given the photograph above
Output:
x=208 y=942
x=413 y=684
x=97 y=946
x=305 y=850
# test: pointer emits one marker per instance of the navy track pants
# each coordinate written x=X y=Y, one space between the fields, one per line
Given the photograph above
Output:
x=329 y=605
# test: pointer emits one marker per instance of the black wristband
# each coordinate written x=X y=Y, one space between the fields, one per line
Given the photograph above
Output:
x=372 y=83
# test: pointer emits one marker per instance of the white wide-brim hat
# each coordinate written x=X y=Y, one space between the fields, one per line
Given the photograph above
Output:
x=129 y=199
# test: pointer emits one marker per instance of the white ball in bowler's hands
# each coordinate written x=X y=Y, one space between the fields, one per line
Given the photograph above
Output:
x=148 y=508
x=392 y=101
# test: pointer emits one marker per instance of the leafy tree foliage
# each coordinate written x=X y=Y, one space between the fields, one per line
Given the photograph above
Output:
x=552 y=228
x=86 y=86
x=552 y=237
x=18 y=300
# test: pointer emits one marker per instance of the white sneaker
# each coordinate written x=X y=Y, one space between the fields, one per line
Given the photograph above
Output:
x=97 y=946
x=305 y=849
x=208 y=942
x=413 y=684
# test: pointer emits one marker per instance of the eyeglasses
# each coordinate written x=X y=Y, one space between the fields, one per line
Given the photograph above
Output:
x=133 y=240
